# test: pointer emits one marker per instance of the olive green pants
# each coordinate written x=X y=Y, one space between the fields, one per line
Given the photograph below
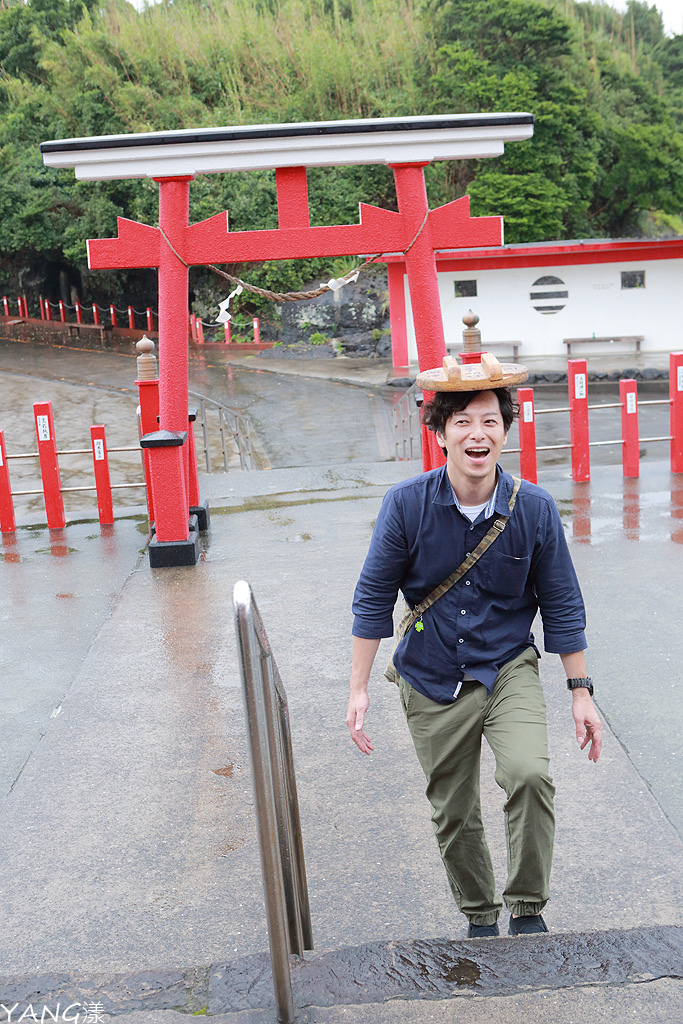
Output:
x=447 y=740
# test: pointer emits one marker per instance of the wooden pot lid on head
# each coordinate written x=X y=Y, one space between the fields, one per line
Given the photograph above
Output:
x=481 y=376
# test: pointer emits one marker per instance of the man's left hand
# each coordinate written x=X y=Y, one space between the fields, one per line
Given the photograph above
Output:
x=588 y=726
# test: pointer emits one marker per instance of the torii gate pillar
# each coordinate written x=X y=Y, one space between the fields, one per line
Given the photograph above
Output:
x=174 y=542
x=172 y=159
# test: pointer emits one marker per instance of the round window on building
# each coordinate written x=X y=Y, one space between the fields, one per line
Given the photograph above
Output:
x=548 y=294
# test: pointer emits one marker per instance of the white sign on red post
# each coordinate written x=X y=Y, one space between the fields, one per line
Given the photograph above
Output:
x=43 y=428
x=49 y=465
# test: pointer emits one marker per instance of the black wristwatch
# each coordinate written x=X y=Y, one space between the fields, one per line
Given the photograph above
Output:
x=586 y=681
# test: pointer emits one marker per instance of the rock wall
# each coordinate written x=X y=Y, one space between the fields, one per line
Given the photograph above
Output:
x=356 y=317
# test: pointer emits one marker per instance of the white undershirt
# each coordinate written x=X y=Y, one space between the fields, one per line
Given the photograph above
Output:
x=472 y=511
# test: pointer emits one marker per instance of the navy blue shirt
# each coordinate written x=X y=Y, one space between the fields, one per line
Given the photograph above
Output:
x=421 y=537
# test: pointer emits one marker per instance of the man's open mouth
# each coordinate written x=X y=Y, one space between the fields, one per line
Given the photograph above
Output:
x=477 y=454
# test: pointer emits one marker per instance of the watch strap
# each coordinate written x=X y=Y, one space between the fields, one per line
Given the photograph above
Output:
x=581 y=682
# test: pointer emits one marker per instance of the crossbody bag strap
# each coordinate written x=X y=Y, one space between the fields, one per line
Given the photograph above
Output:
x=484 y=544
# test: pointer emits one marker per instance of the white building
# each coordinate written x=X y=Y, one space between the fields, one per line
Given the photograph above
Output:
x=542 y=293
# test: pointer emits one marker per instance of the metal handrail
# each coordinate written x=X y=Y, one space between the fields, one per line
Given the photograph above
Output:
x=406 y=424
x=277 y=806
x=237 y=423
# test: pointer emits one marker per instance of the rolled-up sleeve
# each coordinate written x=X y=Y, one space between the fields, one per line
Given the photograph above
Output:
x=382 y=573
x=557 y=588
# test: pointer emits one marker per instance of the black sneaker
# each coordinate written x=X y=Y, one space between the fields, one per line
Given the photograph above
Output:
x=532 y=925
x=482 y=931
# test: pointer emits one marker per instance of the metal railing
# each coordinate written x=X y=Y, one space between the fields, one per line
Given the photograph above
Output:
x=277 y=806
x=78 y=451
x=406 y=426
x=598 y=444
x=231 y=422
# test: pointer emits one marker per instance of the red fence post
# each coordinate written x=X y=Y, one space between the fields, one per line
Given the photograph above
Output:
x=197 y=508
x=42 y=308
x=148 y=411
x=20 y=306
x=150 y=319
x=7 y=520
x=527 y=435
x=5 y=302
x=48 y=310
x=676 y=413
x=191 y=467
x=193 y=326
x=131 y=318
x=79 y=313
x=49 y=465
x=630 y=451
x=199 y=327
x=257 y=331
x=578 y=419
x=95 y=313
x=100 y=462
x=228 y=336
x=62 y=312
x=112 y=314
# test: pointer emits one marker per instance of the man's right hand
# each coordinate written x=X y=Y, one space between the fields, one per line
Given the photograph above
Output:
x=355 y=717
x=364 y=652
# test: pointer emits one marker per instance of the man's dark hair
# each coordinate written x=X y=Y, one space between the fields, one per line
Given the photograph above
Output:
x=437 y=413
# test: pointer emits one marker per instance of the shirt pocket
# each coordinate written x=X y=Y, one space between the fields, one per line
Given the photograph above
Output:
x=505 y=574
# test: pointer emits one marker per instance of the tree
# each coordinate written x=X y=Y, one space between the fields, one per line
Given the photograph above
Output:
x=533 y=207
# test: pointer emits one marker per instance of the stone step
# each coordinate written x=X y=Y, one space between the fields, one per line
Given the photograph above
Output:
x=370 y=980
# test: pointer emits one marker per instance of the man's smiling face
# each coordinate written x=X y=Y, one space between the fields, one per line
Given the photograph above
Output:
x=473 y=440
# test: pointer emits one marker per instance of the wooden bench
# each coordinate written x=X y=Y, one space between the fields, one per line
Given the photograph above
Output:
x=508 y=346
x=630 y=339
x=104 y=330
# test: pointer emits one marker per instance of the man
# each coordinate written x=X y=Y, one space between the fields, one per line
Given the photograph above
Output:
x=468 y=666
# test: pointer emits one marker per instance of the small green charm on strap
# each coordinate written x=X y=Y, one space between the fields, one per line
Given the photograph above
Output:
x=419 y=625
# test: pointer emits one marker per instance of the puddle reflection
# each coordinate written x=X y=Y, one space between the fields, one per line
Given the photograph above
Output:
x=634 y=516
x=58 y=546
x=581 y=501
x=9 y=544
x=677 y=511
x=631 y=513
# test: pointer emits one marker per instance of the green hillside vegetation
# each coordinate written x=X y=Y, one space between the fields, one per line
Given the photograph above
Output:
x=606 y=90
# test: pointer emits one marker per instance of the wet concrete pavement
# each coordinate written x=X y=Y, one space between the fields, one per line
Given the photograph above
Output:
x=656 y=1003
x=298 y=421
x=128 y=841
x=305 y=412
x=424 y=975
x=58 y=587
x=140 y=782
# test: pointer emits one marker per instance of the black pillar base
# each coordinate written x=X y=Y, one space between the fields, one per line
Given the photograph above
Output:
x=164 y=554
x=202 y=514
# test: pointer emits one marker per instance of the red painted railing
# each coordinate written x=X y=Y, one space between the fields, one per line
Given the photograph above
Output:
x=579 y=408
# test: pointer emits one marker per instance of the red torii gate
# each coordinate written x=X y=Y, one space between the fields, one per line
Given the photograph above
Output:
x=172 y=159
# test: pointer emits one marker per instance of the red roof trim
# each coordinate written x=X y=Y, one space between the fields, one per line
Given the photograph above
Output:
x=580 y=253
